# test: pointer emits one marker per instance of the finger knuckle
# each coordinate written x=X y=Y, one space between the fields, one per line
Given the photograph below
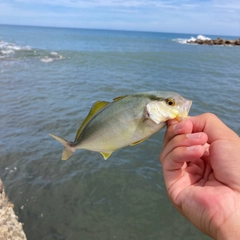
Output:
x=209 y=115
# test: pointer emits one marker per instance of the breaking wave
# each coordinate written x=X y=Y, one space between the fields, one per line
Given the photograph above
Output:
x=13 y=51
x=9 y=49
x=185 y=41
x=51 y=57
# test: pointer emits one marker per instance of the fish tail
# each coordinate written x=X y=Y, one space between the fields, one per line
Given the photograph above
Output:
x=68 y=150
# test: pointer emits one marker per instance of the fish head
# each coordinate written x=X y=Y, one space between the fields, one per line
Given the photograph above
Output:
x=173 y=106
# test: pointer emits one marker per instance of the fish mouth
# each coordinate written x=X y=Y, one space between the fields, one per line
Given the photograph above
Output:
x=184 y=109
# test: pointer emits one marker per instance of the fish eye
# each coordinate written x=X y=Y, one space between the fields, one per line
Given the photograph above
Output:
x=170 y=101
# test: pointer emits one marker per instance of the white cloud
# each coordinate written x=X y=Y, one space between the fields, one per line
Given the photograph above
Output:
x=159 y=15
x=107 y=3
x=227 y=5
x=161 y=4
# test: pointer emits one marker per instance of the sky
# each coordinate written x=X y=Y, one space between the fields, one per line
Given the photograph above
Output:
x=217 y=17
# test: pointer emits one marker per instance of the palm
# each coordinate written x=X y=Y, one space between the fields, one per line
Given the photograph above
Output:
x=204 y=185
x=198 y=194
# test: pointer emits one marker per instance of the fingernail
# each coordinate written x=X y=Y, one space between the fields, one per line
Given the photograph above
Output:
x=193 y=148
x=178 y=126
x=194 y=135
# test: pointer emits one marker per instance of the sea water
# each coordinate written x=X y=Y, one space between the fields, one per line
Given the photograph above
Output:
x=49 y=78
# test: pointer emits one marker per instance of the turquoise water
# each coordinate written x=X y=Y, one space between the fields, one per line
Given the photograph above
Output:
x=49 y=78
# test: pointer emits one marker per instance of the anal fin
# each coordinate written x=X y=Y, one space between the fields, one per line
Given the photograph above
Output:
x=106 y=155
x=140 y=141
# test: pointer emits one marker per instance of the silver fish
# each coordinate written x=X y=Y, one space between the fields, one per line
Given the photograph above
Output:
x=127 y=120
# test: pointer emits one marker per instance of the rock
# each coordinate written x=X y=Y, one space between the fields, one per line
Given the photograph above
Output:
x=218 y=41
x=237 y=42
x=10 y=228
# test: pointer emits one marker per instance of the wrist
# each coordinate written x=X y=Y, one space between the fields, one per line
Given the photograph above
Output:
x=230 y=229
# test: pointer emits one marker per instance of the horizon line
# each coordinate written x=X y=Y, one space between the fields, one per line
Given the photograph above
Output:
x=105 y=29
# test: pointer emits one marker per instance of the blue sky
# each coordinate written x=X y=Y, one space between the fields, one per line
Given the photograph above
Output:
x=220 y=17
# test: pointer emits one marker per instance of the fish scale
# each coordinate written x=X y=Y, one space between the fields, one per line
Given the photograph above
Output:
x=128 y=120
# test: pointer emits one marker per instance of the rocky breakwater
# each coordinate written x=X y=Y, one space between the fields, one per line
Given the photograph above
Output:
x=10 y=228
x=218 y=41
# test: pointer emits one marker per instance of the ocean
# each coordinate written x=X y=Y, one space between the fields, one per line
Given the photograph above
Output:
x=49 y=79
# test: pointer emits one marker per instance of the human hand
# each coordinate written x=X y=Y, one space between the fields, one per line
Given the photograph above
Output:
x=201 y=169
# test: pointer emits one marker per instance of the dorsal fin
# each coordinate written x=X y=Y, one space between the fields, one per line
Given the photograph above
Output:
x=95 y=109
x=119 y=98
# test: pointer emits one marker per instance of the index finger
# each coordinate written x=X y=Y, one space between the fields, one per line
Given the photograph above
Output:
x=175 y=128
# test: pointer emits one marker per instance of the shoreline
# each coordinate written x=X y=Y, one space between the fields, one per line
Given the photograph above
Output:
x=10 y=227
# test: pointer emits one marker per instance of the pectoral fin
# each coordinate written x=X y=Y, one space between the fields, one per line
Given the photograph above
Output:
x=140 y=141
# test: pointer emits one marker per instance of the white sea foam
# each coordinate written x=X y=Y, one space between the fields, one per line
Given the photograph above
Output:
x=46 y=59
x=7 y=52
x=203 y=37
x=51 y=57
x=8 y=49
x=185 y=41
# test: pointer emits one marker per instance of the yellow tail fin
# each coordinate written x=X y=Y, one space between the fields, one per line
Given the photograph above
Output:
x=68 y=150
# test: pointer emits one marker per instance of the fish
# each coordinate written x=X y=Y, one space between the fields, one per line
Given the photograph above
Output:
x=127 y=120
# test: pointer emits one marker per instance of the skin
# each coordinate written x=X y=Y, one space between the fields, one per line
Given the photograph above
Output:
x=201 y=168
